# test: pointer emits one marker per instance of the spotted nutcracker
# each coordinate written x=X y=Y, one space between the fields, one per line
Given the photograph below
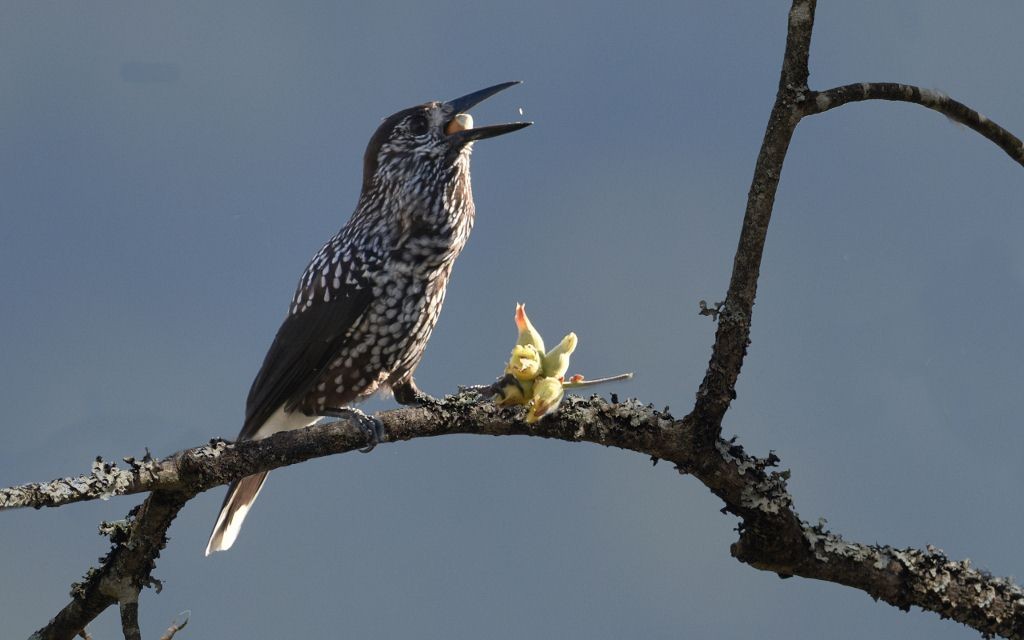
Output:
x=367 y=302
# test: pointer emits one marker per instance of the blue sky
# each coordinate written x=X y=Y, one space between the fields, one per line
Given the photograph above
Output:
x=167 y=169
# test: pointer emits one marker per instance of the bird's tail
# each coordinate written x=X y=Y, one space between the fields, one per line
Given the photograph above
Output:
x=241 y=494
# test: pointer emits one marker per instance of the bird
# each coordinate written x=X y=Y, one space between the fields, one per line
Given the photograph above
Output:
x=368 y=301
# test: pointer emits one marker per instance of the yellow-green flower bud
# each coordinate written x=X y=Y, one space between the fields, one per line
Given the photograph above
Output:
x=556 y=361
x=547 y=394
x=528 y=335
x=524 y=363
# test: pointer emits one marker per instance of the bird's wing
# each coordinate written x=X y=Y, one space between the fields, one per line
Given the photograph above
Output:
x=304 y=346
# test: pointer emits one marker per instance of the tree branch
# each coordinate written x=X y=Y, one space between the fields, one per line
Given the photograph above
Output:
x=189 y=471
x=103 y=482
x=772 y=536
x=130 y=620
x=823 y=101
x=718 y=388
x=195 y=470
x=125 y=570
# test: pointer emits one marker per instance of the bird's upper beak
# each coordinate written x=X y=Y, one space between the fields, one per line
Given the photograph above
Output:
x=461 y=124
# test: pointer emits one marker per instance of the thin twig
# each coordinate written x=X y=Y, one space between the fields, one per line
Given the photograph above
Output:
x=580 y=384
x=176 y=626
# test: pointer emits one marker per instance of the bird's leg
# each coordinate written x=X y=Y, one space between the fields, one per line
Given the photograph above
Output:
x=406 y=393
x=369 y=425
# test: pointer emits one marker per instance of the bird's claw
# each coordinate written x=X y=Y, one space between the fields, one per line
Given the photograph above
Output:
x=371 y=426
x=375 y=432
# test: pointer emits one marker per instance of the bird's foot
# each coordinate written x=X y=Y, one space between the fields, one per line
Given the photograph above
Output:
x=371 y=426
x=407 y=393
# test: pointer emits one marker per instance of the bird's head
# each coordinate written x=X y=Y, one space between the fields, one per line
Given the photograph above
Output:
x=422 y=142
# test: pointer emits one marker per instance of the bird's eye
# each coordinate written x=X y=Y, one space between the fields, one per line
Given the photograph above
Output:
x=418 y=125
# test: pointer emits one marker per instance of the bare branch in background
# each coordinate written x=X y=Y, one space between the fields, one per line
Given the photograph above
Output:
x=719 y=386
x=823 y=101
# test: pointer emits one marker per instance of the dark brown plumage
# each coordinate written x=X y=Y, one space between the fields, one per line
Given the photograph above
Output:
x=369 y=299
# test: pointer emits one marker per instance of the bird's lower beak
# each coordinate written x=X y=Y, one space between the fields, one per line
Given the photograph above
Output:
x=461 y=124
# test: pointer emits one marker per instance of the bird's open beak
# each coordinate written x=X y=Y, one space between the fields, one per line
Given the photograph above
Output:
x=461 y=124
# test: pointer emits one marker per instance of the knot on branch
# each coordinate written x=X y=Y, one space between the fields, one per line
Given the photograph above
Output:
x=768 y=542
